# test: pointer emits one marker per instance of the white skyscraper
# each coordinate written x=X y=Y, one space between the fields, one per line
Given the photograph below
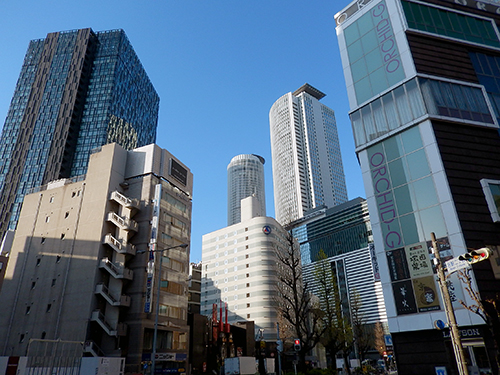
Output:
x=239 y=268
x=245 y=177
x=307 y=165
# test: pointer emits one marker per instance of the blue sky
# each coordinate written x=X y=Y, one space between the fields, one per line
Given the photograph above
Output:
x=218 y=66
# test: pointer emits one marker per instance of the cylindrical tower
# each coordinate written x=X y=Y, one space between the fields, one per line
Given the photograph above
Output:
x=245 y=177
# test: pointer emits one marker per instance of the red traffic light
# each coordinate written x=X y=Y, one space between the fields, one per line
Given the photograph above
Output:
x=296 y=345
x=475 y=256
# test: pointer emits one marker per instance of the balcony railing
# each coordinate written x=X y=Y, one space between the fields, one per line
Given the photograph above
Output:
x=118 y=272
x=118 y=246
x=124 y=223
x=103 y=290
x=125 y=201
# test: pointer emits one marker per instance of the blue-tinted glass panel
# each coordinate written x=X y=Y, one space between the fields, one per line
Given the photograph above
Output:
x=459 y=26
x=411 y=139
x=399 y=172
x=404 y=200
x=417 y=164
x=425 y=193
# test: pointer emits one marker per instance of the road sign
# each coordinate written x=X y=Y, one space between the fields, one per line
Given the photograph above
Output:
x=455 y=264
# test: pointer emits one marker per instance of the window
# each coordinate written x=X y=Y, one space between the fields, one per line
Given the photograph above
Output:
x=248 y=305
x=63 y=235
x=248 y=295
x=38 y=262
x=248 y=275
x=49 y=307
x=58 y=259
x=33 y=284
x=66 y=214
x=28 y=308
x=491 y=190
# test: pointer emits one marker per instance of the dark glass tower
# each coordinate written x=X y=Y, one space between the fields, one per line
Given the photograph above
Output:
x=77 y=90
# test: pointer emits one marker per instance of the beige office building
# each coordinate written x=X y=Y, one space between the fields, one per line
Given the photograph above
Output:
x=78 y=269
x=239 y=268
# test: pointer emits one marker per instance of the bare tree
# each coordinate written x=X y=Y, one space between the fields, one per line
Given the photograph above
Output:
x=487 y=309
x=294 y=301
x=362 y=332
x=337 y=330
x=379 y=334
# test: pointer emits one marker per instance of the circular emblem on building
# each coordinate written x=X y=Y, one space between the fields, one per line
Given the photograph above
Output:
x=266 y=229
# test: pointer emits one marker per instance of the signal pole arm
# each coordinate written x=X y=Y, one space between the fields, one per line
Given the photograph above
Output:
x=450 y=314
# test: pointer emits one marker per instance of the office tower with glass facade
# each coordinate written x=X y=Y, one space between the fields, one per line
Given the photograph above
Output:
x=245 y=177
x=307 y=165
x=343 y=233
x=422 y=80
x=77 y=90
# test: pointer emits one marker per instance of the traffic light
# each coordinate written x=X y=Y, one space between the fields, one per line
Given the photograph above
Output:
x=296 y=345
x=475 y=256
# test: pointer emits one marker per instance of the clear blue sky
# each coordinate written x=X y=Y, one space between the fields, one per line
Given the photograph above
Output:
x=218 y=66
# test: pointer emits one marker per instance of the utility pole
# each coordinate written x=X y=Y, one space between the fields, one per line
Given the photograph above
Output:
x=450 y=313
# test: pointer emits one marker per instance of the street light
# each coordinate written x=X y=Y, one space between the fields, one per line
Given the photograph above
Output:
x=155 y=335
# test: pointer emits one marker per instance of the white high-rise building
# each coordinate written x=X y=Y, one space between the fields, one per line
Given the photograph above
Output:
x=307 y=165
x=239 y=268
x=245 y=177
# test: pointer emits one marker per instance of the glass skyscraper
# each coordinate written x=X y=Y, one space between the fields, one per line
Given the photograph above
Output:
x=307 y=165
x=77 y=90
x=245 y=177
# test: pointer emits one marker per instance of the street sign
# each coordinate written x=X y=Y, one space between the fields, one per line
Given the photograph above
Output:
x=455 y=264
x=388 y=340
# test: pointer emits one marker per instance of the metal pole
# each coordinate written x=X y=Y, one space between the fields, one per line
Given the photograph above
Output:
x=279 y=351
x=450 y=313
x=155 y=335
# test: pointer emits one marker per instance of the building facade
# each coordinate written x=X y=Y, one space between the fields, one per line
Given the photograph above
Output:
x=245 y=177
x=239 y=268
x=422 y=79
x=343 y=233
x=77 y=90
x=77 y=266
x=337 y=230
x=307 y=165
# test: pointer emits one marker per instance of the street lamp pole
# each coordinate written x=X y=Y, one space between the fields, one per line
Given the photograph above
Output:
x=155 y=334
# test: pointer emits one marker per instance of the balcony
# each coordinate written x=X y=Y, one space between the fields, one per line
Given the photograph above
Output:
x=103 y=290
x=98 y=316
x=132 y=204
x=117 y=271
x=122 y=222
x=118 y=246
x=92 y=348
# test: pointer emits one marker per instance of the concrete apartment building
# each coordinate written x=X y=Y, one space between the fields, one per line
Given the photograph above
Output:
x=78 y=265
